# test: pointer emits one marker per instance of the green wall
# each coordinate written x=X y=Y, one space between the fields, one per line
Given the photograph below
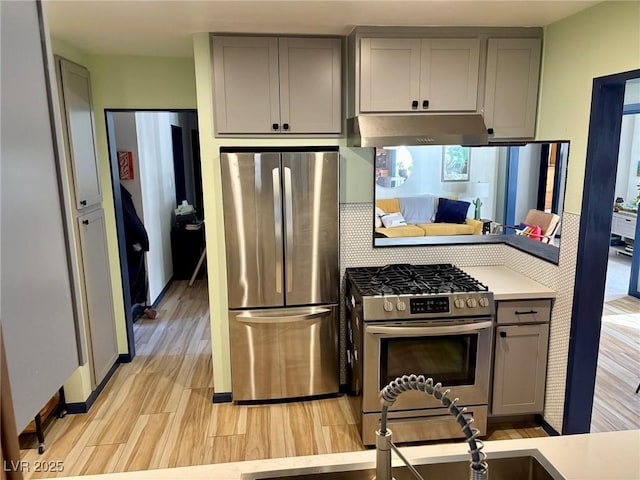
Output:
x=125 y=82
x=599 y=41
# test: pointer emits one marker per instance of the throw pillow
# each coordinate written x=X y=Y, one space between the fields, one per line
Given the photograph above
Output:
x=391 y=220
x=532 y=231
x=451 y=211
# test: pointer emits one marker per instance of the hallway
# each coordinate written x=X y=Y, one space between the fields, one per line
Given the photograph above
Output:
x=615 y=403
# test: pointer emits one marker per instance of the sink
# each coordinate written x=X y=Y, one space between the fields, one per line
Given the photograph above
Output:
x=521 y=465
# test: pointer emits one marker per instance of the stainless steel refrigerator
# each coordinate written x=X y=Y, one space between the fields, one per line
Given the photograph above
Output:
x=281 y=236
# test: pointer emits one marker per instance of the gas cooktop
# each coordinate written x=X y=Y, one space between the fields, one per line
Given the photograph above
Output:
x=406 y=279
x=404 y=291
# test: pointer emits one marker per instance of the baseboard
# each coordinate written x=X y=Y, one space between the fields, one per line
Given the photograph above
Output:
x=225 y=397
x=546 y=427
x=161 y=295
x=125 y=358
x=83 y=407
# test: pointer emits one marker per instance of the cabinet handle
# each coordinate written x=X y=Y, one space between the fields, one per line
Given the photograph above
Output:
x=85 y=222
x=285 y=126
x=530 y=312
x=414 y=104
x=275 y=126
x=83 y=202
x=490 y=131
x=425 y=104
x=503 y=334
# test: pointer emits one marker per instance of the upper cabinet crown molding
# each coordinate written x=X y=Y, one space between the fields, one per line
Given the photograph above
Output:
x=79 y=129
x=273 y=85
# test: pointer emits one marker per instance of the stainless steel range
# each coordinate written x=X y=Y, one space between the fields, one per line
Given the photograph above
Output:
x=433 y=320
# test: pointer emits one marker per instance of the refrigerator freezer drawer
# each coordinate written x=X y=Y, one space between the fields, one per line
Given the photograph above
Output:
x=284 y=353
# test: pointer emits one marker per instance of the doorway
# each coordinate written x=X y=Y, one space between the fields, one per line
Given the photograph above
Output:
x=153 y=161
x=591 y=263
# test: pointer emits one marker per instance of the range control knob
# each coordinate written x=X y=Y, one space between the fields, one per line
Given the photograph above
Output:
x=388 y=306
x=459 y=303
x=471 y=303
x=483 y=301
x=401 y=306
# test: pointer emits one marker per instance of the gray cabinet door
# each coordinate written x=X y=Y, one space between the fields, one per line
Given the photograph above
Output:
x=520 y=369
x=80 y=132
x=246 y=84
x=98 y=302
x=389 y=74
x=511 y=89
x=310 y=85
x=411 y=75
x=449 y=74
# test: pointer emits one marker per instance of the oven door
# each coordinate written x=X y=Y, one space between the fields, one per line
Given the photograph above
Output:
x=458 y=356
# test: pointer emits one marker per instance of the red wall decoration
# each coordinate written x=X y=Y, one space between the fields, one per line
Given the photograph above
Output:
x=125 y=165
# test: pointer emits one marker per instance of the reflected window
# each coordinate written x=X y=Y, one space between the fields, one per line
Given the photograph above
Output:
x=393 y=166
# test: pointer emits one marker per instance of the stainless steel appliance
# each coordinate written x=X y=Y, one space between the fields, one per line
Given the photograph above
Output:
x=281 y=236
x=431 y=320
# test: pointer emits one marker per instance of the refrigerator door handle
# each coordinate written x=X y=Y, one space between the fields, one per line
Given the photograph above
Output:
x=277 y=217
x=252 y=317
x=288 y=212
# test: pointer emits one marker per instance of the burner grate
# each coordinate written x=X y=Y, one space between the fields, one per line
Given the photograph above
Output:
x=406 y=279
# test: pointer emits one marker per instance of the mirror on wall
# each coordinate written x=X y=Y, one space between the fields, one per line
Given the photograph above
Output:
x=442 y=194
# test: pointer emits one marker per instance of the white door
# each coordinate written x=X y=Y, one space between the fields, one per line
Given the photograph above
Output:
x=80 y=132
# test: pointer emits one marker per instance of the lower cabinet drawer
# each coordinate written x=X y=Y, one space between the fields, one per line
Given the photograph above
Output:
x=524 y=311
x=624 y=226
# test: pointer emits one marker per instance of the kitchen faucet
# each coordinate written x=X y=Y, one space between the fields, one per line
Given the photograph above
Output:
x=384 y=445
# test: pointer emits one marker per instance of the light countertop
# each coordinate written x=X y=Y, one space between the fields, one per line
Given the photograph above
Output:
x=599 y=456
x=507 y=284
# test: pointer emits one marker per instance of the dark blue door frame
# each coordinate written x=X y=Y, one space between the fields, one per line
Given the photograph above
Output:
x=593 y=247
x=513 y=155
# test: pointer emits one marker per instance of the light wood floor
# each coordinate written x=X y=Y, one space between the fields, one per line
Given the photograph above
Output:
x=615 y=403
x=157 y=411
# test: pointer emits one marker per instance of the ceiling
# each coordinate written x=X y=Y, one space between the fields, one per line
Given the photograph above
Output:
x=164 y=28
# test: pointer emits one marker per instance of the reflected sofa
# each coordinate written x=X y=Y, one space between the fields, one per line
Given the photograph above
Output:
x=392 y=205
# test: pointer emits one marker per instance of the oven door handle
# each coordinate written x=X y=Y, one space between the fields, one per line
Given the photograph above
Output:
x=413 y=331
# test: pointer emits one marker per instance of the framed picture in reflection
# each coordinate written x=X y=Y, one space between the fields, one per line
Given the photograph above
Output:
x=455 y=163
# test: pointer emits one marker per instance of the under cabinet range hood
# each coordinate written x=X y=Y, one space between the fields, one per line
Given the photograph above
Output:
x=431 y=129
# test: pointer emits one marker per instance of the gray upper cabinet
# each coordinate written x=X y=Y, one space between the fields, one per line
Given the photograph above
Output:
x=310 y=85
x=98 y=301
x=266 y=85
x=79 y=127
x=511 y=88
x=246 y=84
x=408 y=74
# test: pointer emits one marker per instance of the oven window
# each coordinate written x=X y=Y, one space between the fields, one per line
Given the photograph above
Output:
x=450 y=360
